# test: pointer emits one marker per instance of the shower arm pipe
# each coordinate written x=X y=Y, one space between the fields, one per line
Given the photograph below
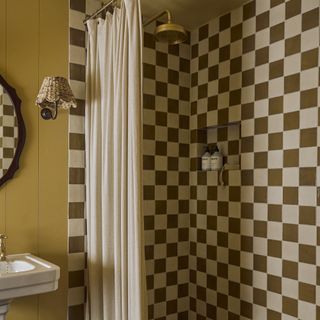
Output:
x=108 y=4
x=158 y=15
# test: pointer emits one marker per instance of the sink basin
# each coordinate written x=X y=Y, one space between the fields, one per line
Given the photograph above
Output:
x=23 y=275
x=15 y=266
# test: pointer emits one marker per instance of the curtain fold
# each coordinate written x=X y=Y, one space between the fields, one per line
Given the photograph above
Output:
x=116 y=276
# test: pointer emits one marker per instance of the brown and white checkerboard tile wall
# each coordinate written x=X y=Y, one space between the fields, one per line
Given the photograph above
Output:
x=77 y=222
x=258 y=64
x=166 y=176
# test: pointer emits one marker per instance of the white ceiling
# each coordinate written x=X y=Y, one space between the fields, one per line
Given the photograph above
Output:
x=190 y=13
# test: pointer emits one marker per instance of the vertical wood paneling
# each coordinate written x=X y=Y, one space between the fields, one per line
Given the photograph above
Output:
x=53 y=157
x=33 y=206
x=3 y=30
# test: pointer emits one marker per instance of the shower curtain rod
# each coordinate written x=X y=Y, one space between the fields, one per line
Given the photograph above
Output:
x=110 y=3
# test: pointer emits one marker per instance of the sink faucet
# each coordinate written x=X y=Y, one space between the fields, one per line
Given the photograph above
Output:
x=3 y=253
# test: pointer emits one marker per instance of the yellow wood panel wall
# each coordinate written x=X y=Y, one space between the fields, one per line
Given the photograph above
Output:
x=33 y=206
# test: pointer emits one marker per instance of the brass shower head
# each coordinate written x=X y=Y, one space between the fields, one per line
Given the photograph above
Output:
x=169 y=32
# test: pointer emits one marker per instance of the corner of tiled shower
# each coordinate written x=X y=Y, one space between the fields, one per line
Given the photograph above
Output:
x=248 y=80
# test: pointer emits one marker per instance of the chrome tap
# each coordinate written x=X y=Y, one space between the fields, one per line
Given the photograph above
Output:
x=3 y=251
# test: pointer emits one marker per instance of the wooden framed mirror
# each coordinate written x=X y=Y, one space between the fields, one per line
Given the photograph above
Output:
x=12 y=131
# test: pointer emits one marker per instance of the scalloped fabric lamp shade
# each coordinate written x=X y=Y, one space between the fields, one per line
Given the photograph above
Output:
x=56 y=90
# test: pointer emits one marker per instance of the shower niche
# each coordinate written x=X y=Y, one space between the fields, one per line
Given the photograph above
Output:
x=228 y=139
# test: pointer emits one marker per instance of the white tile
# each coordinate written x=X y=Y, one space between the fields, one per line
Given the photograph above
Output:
x=275 y=195
x=309 y=118
x=292 y=64
x=290 y=177
x=293 y=26
x=309 y=79
x=291 y=139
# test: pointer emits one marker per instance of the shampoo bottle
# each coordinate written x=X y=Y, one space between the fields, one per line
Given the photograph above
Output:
x=205 y=160
x=216 y=159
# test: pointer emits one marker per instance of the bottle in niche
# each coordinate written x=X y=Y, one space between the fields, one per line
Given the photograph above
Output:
x=205 y=160
x=216 y=159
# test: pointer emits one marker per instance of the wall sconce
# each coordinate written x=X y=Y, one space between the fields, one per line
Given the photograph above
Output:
x=55 y=92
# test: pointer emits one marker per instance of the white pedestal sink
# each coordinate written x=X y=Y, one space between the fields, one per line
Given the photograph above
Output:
x=23 y=275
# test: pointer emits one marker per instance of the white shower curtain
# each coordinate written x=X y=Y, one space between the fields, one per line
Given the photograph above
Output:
x=116 y=277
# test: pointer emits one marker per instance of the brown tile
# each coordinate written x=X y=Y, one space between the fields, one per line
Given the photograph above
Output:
x=223 y=84
x=161 y=89
x=224 y=53
x=291 y=158
x=149 y=71
x=77 y=72
x=213 y=73
x=260 y=229
x=275 y=141
x=214 y=42
x=236 y=32
x=290 y=306
x=274 y=284
x=248 y=44
x=247 y=144
x=246 y=243
x=76 y=312
x=249 y=10
x=276 y=69
x=309 y=59
x=274 y=212
x=247 y=111
x=247 y=78
x=76 y=176
x=307 y=215
x=275 y=3
x=77 y=37
x=262 y=56
x=173 y=76
x=76 y=244
x=271 y=314
x=203 y=62
x=290 y=269
x=292 y=83
x=194 y=51
x=310 y=19
x=308 y=137
x=290 y=195
x=260 y=194
x=203 y=32
x=149 y=40
x=203 y=91
x=261 y=91
x=235 y=65
x=275 y=177
x=259 y=297
x=293 y=45
x=78 y=5
x=260 y=263
x=235 y=97
x=225 y=22
x=293 y=8
x=161 y=59
x=309 y=98
x=247 y=177
x=261 y=125
x=290 y=232
x=307 y=254
x=262 y=21
x=76 y=210
x=307 y=292
x=291 y=120
x=275 y=105
x=76 y=141
x=277 y=32
x=307 y=176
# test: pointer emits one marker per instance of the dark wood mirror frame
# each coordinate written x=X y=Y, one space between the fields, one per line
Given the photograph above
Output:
x=14 y=166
